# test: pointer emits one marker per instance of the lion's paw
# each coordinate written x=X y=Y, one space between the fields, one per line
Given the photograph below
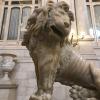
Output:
x=34 y=97
x=44 y=96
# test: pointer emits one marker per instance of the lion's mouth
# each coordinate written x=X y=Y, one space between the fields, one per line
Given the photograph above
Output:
x=57 y=31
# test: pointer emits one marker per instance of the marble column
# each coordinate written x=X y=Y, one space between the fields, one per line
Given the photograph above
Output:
x=0 y=6
x=82 y=17
x=73 y=26
x=44 y=2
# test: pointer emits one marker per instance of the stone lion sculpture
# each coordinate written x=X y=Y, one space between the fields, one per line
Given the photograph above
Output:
x=46 y=39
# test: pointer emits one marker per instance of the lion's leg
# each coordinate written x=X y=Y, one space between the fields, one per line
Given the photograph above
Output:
x=47 y=72
x=47 y=67
x=39 y=91
x=37 y=73
x=96 y=76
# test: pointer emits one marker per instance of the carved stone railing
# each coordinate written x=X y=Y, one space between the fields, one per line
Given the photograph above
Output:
x=7 y=85
x=7 y=64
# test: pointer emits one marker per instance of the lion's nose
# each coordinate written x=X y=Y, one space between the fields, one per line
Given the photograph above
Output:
x=66 y=24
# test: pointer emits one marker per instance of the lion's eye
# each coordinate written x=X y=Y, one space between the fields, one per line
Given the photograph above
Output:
x=57 y=14
x=66 y=24
x=62 y=12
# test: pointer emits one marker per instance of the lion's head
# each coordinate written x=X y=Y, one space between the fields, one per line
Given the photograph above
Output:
x=53 y=20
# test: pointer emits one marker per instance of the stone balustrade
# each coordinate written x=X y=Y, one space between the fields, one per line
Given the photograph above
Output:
x=7 y=86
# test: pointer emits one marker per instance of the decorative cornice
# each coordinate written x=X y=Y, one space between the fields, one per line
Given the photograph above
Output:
x=8 y=54
x=8 y=86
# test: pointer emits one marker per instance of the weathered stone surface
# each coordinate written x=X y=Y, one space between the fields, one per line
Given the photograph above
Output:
x=23 y=58
x=53 y=54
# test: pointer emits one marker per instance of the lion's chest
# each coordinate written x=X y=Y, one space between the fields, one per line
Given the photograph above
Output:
x=49 y=40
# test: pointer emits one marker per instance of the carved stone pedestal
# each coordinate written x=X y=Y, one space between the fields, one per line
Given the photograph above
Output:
x=7 y=86
x=8 y=91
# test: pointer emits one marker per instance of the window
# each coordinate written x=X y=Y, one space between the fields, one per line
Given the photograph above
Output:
x=93 y=9
x=3 y=23
x=14 y=18
x=96 y=0
x=14 y=23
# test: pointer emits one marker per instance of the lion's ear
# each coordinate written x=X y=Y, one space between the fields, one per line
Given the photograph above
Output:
x=71 y=15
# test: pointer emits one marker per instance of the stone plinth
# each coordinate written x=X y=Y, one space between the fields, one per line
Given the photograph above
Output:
x=8 y=91
x=7 y=86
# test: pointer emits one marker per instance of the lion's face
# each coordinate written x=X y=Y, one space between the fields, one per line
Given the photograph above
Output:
x=62 y=23
x=53 y=20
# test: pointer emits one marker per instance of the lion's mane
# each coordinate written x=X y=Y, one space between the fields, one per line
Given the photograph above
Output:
x=44 y=24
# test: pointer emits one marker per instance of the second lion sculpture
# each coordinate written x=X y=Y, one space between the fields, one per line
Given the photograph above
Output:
x=46 y=39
